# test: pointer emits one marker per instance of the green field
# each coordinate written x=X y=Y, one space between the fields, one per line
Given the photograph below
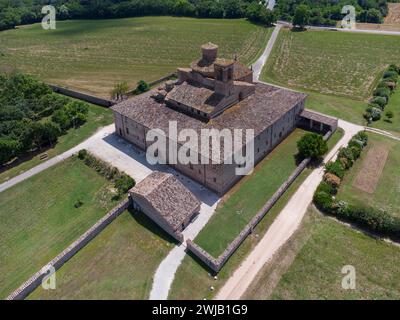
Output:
x=118 y=264
x=320 y=249
x=338 y=70
x=337 y=63
x=193 y=279
x=248 y=196
x=97 y=117
x=38 y=218
x=386 y=195
x=95 y=55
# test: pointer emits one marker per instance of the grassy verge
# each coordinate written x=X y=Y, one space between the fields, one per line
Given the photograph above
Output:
x=193 y=280
x=118 y=264
x=386 y=193
x=320 y=249
x=38 y=218
x=97 y=117
x=94 y=55
x=248 y=196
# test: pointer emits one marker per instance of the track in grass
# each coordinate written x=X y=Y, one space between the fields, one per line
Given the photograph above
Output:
x=95 y=55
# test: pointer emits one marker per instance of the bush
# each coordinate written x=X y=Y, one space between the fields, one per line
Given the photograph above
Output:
x=376 y=114
x=332 y=179
x=323 y=201
x=312 y=145
x=362 y=136
x=335 y=168
x=348 y=155
x=124 y=184
x=379 y=101
x=327 y=188
x=82 y=154
x=390 y=74
x=394 y=68
x=382 y=92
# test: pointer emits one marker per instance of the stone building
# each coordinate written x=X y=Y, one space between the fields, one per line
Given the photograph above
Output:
x=218 y=94
x=165 y=200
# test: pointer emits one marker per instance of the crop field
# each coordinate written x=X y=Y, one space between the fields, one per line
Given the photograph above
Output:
x=381 y=185
x=310 y=265
x=118 y=264
x=332 y=63
x=38 y=218
x=93 y=56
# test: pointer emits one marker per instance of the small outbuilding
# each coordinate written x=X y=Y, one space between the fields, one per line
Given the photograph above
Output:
x=165 y=200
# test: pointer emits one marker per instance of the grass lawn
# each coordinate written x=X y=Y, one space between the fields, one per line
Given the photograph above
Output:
x=386 y=195
x=193 y=280
x=118 y=264
x=319 y=250
x=97 y=117
x=94 y=55
x=38 y=218
x=338 y=70
x=248 y=196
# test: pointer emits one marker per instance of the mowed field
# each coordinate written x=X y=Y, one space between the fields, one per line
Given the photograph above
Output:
x=335 y=63
x=374 y=179
x=193 y=280
x=310 y=265
x=93 y=56
x=248 y=196
x=38 y=218
x=118 y=264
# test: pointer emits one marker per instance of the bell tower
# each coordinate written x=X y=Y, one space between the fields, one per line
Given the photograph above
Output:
x=224 y=76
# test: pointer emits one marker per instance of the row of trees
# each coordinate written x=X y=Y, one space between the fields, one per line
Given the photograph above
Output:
x=13 y=13
x=32 y=116
x=317 y=12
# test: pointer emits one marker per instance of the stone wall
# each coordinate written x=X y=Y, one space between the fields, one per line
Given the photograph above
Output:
x=216 y=264
x=26 y=288
x=167 y=77
x=82 y=96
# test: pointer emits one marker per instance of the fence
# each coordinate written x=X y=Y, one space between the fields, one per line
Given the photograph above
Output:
x=26 y=288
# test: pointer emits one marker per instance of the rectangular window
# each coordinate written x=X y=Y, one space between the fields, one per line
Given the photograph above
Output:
x=215 y=180
x=127 y=130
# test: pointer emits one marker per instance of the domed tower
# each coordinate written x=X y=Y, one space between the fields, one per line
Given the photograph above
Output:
x=210 y=52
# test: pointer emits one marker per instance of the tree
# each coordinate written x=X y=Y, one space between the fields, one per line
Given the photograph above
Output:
x=301 y=16
x=8 y=149
x=142 y=86
x=312 y=145
x=120 y=89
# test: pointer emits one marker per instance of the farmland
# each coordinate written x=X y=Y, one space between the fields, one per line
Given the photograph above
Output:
x=309 y=266
x=93 y=56
x=385 y=192
x=39 y=219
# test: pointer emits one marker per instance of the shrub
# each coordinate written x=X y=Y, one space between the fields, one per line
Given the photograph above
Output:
x=345 y=163
x=394 y=68
x=312 y=145
x=332 y=179
x=124 y=184
x=82 y=154
x=382 y=92
x=348 y=154
x=323 y=201
x=362 y=136
x=376 y=114
x=327 y=188
x=390 y=74
x=380 y=101
x=335 y=168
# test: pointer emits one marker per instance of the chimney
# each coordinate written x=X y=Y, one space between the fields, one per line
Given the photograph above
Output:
x=210 y=52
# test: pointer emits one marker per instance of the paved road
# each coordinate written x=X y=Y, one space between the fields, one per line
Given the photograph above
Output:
x=259 y=64
x=283 y=227
x=53 y=161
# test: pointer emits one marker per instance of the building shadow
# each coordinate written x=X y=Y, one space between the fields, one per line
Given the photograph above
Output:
x=204 y=194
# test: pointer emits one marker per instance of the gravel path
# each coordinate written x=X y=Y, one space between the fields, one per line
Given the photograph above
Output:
x=283 y=227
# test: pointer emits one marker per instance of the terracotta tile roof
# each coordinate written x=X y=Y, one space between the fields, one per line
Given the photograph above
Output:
x=318 y=117
x=207 y=68
x=168 y=196
x=196 y=97
x=258 y=111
